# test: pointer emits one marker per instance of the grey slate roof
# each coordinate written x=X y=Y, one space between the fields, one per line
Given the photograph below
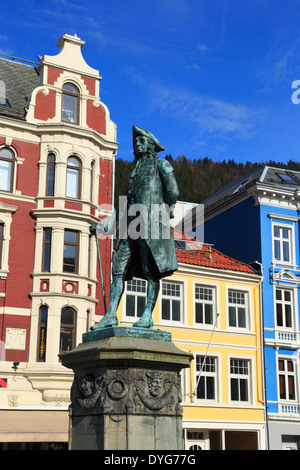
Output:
x=20 y=80
x=268 y=176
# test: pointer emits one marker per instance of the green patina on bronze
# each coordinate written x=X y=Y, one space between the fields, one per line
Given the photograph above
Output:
x=152 y=184
x=128 y=332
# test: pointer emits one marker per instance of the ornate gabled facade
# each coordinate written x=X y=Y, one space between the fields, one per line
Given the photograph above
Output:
x=57 y=151
x=256 y=219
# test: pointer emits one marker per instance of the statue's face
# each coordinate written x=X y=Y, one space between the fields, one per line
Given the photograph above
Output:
x=140 y=145
x=87 y=386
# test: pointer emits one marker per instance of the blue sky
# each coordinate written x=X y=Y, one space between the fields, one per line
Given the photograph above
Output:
x=210 y=78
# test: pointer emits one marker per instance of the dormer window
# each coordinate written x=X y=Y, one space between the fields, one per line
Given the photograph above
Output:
x=287 y=178
x=70 y=104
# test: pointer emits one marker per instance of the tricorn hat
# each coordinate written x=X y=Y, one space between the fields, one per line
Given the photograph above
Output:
x=139 y=131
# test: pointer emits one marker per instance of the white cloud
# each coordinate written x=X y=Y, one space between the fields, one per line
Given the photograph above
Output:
x=202 y=48
x=207 y=114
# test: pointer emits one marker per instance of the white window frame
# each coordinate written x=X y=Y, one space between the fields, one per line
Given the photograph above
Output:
x=250 y=383
x=6 y=212
x=182 y=284
x=215 y=374
x=14 y=169
x=285 y=373
x=199 y=441
x=291 y=230
x=136 y=294
x=74 y=176
x=284 y=302
x=215 y=303
x=248 y=308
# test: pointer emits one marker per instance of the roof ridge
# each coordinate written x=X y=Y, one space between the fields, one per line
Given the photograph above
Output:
x=14 y=59
x=230 y=257
x=213 y=258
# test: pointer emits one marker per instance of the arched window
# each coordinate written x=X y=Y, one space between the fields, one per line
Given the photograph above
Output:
x=42 y=333
x=92 y=181
x=50 y=175
x=70 y=103
x=67 y=330
x=73 y=178
x=6 y=169
x=46 y=255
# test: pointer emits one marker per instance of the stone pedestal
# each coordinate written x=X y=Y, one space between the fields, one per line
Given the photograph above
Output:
x=126 y=393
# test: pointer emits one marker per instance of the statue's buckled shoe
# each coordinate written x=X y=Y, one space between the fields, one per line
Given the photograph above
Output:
x=106 y=322
x=145 y=321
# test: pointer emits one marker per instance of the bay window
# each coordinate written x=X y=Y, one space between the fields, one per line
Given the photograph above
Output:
x=73 y=188
x=71 y=251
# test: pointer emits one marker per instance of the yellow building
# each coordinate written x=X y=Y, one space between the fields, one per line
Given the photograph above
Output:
x=211 y=305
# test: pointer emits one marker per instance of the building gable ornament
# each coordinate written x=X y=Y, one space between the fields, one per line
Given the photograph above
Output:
x=275 y=197
x=285 y=275
x=70 y=57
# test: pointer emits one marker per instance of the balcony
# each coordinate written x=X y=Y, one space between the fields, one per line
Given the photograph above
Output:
x=289 y=410
x=287 y=337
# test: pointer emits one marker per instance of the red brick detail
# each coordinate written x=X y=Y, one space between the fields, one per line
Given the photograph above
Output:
x=89 y=290
x=92 y=211
x=75 y=206
x=105 y=183
x=27 y=172
x=21 y=255
x=90 y=83
x=70 y=287
x=45 y=105
x=96 y=117
x=53 y=75
x=2 y=285
x=44 y=285
x=49 y=203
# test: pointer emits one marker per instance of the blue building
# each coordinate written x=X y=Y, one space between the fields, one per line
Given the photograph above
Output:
x=256 y=220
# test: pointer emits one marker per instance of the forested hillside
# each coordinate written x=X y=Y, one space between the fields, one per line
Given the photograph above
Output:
x=198 y=179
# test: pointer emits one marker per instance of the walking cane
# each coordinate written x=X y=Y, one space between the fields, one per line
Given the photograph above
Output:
x=94 y=232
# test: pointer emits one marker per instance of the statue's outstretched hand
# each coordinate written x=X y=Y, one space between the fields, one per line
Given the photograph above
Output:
x=104 y=226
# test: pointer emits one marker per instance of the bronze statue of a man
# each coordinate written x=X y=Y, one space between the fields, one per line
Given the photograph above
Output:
x=152 y=190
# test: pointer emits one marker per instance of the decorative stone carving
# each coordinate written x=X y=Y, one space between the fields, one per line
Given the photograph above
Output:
x=161 y=391
x=86 y=391
x=153 y=390
x=126 y=392
x=117 y=388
